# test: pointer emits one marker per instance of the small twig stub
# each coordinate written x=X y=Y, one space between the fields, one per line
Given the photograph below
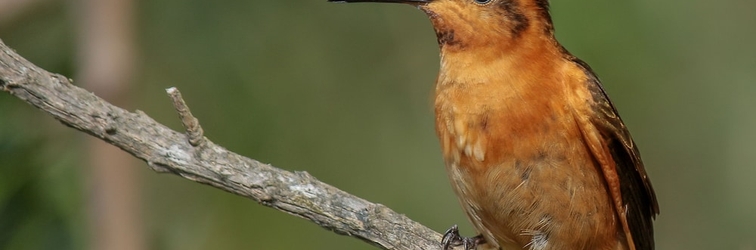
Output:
x=191 y=124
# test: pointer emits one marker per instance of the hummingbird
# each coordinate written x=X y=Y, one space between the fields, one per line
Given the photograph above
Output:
x=535 y=151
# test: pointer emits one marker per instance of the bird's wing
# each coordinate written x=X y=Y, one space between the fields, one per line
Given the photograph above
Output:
x=620 y=161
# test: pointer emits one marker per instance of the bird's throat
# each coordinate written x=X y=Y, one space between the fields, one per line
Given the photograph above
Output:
x=461 y=26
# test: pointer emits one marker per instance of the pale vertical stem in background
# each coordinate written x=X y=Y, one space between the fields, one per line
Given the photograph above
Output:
x=9 y=9
x=106 y=67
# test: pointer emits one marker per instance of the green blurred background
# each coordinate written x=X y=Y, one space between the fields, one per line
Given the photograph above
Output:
x=344 y=92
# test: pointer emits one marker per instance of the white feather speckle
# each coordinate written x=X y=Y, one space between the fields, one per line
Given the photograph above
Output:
x=539 y=240
x=479 y=152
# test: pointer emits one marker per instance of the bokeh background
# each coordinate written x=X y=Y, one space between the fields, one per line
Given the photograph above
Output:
x=344 y=92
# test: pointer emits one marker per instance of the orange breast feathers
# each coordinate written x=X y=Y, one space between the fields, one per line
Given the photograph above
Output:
x=517 y=159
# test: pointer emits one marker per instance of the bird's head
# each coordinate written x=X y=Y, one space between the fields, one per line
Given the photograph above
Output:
x=466 y=24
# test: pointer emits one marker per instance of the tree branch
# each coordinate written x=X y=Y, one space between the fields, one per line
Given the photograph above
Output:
x=168 y=151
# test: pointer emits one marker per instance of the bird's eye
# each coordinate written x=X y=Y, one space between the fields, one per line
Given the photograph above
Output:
x=482 y=2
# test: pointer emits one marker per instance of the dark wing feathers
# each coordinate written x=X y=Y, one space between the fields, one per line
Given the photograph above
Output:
x=637 y=192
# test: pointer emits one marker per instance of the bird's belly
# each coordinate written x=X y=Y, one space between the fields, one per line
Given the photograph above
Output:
x=528 y=185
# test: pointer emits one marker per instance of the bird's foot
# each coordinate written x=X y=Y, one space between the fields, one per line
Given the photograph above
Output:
x=452 y=239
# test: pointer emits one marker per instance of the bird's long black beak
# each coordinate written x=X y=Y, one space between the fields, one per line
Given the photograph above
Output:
x=382 y=1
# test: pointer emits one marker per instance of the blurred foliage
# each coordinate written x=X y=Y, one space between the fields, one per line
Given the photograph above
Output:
x=343 y=92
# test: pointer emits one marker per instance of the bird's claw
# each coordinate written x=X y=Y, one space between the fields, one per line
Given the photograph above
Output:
x=452 y=239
